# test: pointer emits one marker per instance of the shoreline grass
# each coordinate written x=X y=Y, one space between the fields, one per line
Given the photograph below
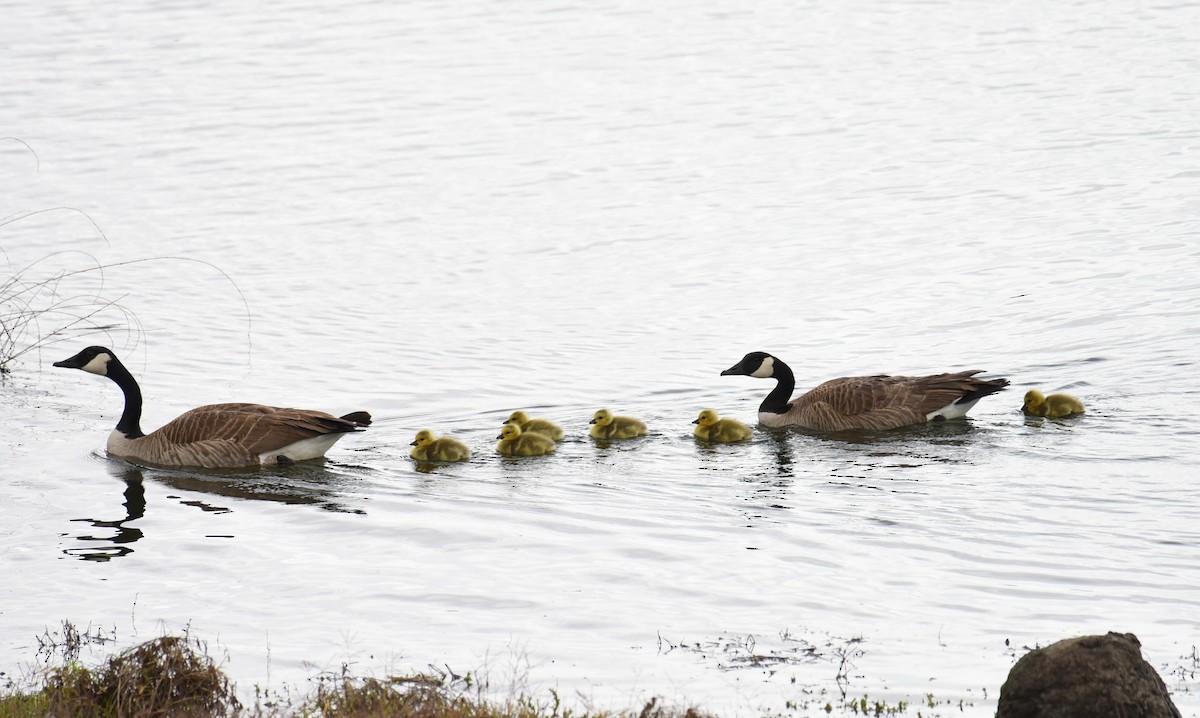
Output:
x=175 y=676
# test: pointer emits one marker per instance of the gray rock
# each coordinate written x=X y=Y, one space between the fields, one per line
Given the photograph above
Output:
x=1086 y=676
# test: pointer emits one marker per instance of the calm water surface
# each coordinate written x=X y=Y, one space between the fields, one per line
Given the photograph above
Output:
x=444 y=212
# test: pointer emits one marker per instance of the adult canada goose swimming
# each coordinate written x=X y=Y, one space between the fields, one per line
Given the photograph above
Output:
x=218 y=435
x=1055 y=406
x=607 y=426
x=515 y=443
x=535 y=426
x=430 y=448
x=864 y=402
x=711 y=427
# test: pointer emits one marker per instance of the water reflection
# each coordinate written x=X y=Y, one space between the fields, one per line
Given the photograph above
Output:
x=311 y=483
x=763 y=493
x=1046 y=422
x=119 y=542
x=934 y=433
x=308 y=483
x=781 y=451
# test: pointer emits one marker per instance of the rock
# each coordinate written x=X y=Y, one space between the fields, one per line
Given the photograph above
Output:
x=1086 y=676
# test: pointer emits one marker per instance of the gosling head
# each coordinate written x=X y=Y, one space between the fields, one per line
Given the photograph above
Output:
x=509 y=432
x=94 y=360
x=708 y=417
x=1034 y=398
x=760 y=365
x=425 y=437
x=602 y=417
x=518 y=417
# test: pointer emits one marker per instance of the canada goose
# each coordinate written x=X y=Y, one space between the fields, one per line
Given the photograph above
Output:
x=515 y=443
x=535 y=426
x=864 y=402
x=1055 y=406
x=430 y=448
x=217 y=435
x=607 y=426
x=710 y=427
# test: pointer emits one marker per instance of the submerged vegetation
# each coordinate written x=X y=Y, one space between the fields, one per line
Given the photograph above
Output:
x=175 y=676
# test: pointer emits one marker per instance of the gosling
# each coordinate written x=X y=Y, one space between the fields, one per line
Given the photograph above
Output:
x=607 y=426
x=710 y=427
x=1055 y=406
x=431 y=448
x=515 y=443
x=535 y=426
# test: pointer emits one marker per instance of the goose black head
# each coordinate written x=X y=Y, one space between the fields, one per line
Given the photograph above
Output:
x=92 y=359
x=756 y=364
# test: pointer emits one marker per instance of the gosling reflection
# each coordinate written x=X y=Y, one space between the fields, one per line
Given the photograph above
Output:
x=106 y=548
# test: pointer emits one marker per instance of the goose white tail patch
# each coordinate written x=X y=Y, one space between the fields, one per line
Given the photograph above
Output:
x=766 y=370
x=953 y=410
x=311 y=448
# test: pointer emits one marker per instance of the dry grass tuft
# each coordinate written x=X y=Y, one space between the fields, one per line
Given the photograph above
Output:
x=171 y=676
x=428 y=696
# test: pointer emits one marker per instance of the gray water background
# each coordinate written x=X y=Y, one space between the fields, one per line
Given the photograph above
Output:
x=441 y=212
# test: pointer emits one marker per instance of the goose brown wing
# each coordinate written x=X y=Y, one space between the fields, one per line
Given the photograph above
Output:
x=881 y=402
x=254 y=428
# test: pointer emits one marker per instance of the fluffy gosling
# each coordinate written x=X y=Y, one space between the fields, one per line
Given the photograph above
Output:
x=1055 y=406
x=431 y=448
x=607 y=426
x=535 y=426
x=710 y=427
x=515 y=443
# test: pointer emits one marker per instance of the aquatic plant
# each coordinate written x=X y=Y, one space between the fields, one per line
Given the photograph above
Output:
x=42 y=304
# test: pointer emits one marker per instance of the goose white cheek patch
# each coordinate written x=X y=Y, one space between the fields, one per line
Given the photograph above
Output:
x=98 y=364
x=766 y=369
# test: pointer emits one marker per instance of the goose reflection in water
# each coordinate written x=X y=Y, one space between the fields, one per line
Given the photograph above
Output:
x=135 y=508
x=305 y=484
x=315 y=483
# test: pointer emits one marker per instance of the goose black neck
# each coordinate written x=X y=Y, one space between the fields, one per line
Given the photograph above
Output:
x=131 y=418
x=777 y=401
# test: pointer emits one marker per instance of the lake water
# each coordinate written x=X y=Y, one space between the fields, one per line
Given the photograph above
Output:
x=442 y=212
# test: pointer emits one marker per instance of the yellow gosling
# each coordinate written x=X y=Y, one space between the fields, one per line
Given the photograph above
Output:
x=711 y=427
x=515 y=443
x=607 y=426
x=535 y=426
x=1055 y=406
x=431 y=448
